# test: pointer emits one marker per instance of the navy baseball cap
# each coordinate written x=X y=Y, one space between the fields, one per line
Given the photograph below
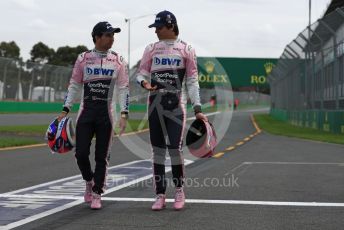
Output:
x=104 y=27
x=164 y=18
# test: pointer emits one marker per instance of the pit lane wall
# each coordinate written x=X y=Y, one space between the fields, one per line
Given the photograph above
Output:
x=42 y=107
x=53 y=107
x=328 y=121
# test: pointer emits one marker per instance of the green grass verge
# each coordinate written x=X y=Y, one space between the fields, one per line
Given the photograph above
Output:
x=274 y=126
x=24 y=129
x=21 y=131
x=10 y=141
x=133 y=125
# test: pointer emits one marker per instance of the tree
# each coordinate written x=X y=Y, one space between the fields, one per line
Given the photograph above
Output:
x=9 y=49
x=66 y=55
x=80 y=48
x=41 y=53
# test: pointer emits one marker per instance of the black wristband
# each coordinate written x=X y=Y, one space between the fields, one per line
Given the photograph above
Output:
x=65 y=109
x=142 y=83
x=197 y=109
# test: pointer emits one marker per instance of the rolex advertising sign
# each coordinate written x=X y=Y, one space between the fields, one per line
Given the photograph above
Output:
x=239 y=72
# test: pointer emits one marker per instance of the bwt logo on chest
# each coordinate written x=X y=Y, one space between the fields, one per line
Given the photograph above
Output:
x=167 y=61
x=99 y=71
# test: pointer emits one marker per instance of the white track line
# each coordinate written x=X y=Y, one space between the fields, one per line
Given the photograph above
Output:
x=78 y=200
x=295 y=163
x=41 y=215
x=61 y=180
x=191 y=201
x=282 y=163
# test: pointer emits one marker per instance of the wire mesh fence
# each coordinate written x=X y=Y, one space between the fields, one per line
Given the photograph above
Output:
x=307 y=84
x=309 y=74
x=32 y=81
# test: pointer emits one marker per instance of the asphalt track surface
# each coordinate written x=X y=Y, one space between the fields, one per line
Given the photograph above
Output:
x=275 y=183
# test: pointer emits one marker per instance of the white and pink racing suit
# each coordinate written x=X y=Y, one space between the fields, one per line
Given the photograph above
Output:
x=171 y=66
x=102 y=77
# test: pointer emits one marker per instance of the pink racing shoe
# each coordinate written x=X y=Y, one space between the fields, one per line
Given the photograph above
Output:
x=96 y=201
x=179 y=199
x=88 y=191
x=159 y=202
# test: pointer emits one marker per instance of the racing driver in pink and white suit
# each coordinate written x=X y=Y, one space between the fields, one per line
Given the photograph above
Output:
x=101 y=75
x=168 y=69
